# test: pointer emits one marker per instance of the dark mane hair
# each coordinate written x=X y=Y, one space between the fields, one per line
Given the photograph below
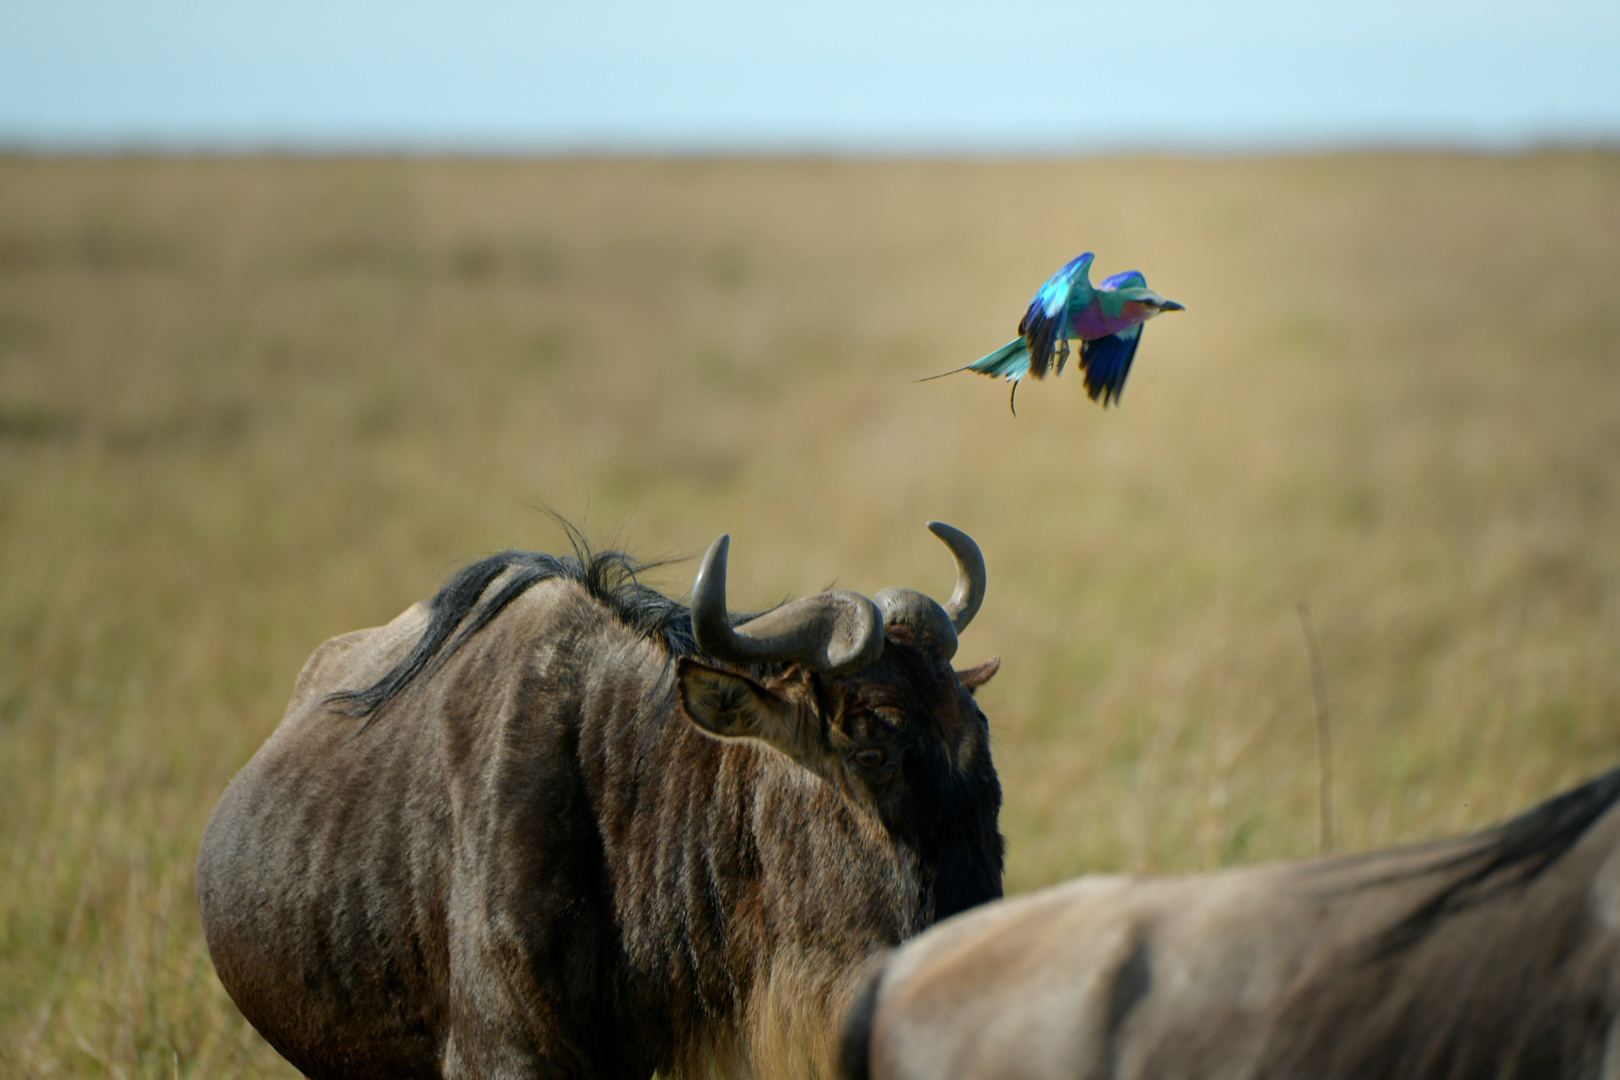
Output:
x=1502 y=859
x=610 y=577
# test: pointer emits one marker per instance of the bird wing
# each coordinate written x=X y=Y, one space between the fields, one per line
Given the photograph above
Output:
x=1045 y=326
x=1129 y=279
x=1106 y=361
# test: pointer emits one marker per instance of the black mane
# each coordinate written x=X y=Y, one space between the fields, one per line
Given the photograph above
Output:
x=611 y=577
x=1503 y=859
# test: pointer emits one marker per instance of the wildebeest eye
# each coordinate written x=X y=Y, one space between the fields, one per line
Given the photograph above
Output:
x=870 y=758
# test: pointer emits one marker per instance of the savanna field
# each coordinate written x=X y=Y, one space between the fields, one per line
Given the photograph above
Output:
x=246 y=405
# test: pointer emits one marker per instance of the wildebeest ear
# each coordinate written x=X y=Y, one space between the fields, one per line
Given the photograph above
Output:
x=975 y=677
x=734 y=707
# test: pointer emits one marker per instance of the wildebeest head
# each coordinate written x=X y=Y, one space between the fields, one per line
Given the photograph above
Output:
x=861 y=693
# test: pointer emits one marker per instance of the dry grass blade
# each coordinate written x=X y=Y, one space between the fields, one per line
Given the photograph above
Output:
x=1324 y=734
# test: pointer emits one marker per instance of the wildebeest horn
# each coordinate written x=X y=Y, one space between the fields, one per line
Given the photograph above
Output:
x=969 y=592
x=936 y=625
x=833 y=633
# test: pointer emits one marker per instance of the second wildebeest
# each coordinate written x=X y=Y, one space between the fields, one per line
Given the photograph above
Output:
x=1487 y=957
x=499 y=837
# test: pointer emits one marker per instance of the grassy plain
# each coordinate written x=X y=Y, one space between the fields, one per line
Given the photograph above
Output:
x=249 y=404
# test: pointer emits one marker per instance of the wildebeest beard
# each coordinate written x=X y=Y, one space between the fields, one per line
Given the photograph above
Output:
x=488 y=840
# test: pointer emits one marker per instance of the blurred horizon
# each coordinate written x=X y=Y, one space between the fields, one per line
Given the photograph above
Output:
x=718 y=77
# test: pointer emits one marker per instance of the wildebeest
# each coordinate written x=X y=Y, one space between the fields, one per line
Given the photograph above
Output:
x=499 y=838
x=1494 y=956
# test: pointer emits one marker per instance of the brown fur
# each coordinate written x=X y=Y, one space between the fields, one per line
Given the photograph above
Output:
x=1495 y=956
x=532 y=865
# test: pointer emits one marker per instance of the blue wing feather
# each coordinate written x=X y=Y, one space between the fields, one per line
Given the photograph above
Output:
x=1106 y=361
x=1045 y=326
x=1046 y=335
x=1125 y=280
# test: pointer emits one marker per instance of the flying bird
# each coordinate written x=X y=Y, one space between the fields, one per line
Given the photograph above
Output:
x=1107 y=319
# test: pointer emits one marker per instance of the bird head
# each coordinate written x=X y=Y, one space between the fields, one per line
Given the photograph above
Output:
x=1154 y=304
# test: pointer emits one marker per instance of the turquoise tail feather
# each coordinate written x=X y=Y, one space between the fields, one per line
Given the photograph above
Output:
x=1010 y=362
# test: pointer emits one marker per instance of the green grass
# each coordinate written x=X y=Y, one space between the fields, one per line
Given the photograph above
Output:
x=247 y=405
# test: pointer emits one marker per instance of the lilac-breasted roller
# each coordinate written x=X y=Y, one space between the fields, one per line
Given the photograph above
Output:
x=1107 y=318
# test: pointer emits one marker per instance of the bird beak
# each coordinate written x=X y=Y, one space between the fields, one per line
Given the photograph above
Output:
x=1171 y=305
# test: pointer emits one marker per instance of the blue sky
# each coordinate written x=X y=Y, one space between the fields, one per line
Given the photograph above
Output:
x=719 y=75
